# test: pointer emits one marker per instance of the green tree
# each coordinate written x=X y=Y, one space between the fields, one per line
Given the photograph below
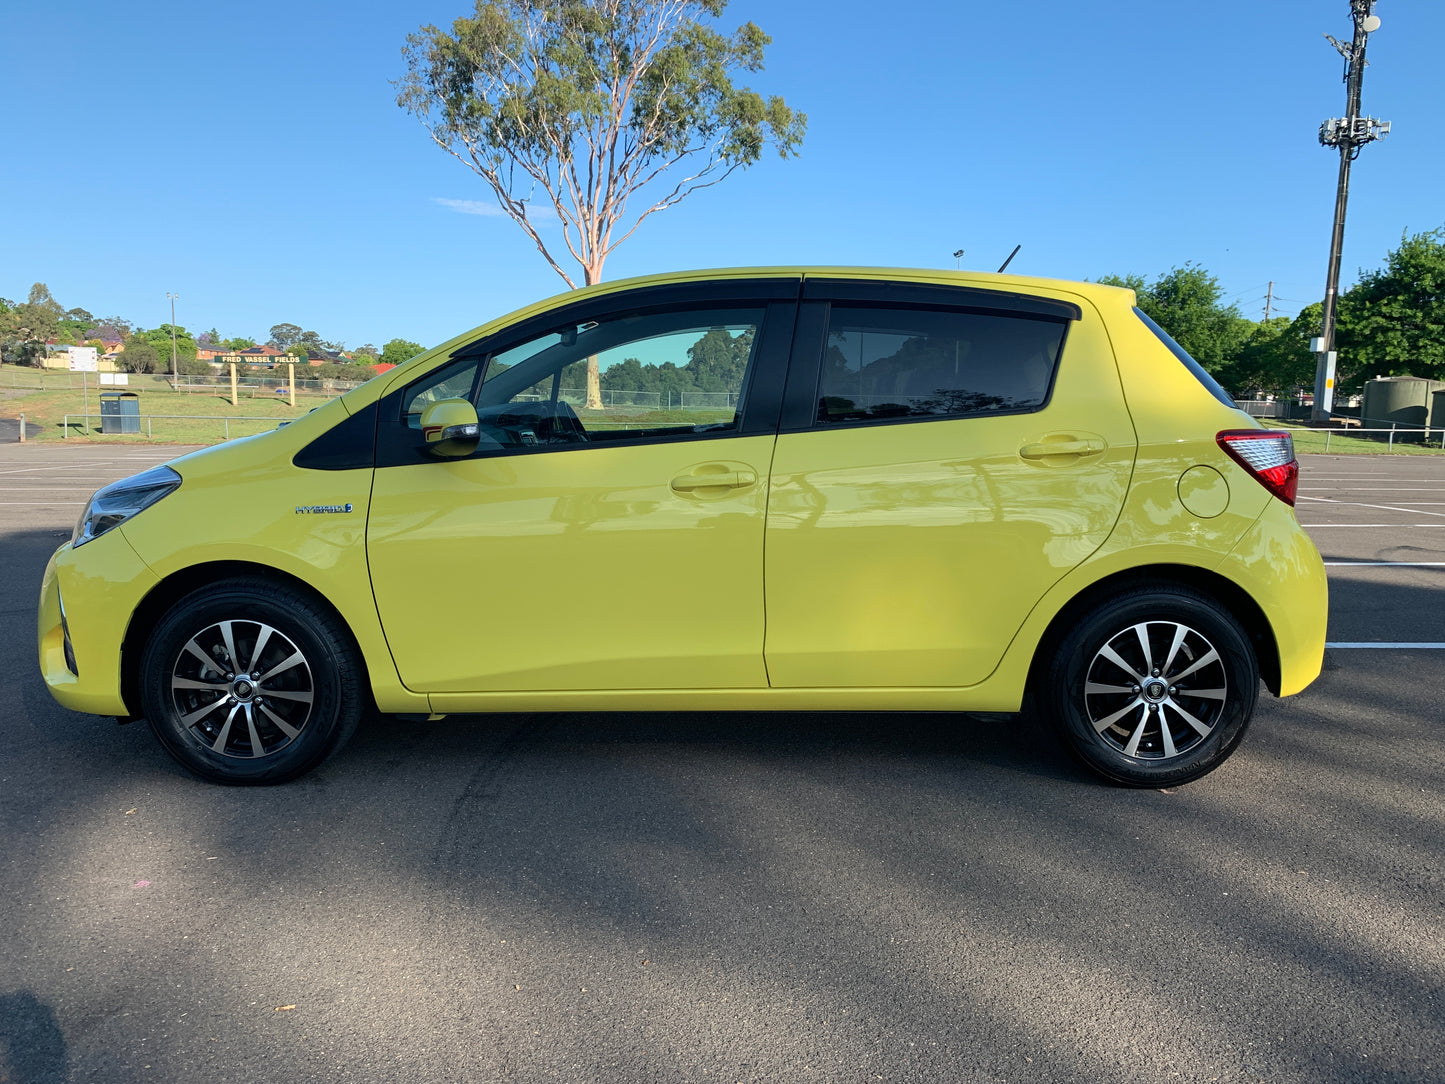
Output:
x=283 y=335
x=1392 y=321
x=40 y=299
x=1186 y=302
x=592 y=103
x=20 y=344
x=355 y=373
x=1275 y=359
x=399 y=350
x=160 y=338
x=140 y=356
x=25 y=328
x=717 y=360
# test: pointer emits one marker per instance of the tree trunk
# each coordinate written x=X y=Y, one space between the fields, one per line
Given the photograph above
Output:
x=594 y=384
x=592 y=273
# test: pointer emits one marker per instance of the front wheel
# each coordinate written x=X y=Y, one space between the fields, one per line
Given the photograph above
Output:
x=248 y=682
x=1153 y=688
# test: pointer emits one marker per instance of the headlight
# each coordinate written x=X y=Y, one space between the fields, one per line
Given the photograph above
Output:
x=117 y=502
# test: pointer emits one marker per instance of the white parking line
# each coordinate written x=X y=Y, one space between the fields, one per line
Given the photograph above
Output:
x=1385 y=564
x=97 y=464
x=1385 y=489
x=1400 y=526
x=1402 y=646
x=1376 y=507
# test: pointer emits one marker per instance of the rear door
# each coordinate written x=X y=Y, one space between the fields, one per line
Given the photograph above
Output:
x=946 y=455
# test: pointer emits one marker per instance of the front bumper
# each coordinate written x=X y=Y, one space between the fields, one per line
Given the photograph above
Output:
x=100 y=592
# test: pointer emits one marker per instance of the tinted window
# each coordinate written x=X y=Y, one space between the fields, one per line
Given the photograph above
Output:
x=897 y=363
x=455 y=381
x=1210 y=384
x=658 y=375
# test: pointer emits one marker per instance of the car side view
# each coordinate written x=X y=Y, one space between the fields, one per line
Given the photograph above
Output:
x=801 y=489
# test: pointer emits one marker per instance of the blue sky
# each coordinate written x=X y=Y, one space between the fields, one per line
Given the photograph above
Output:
x=251 y=158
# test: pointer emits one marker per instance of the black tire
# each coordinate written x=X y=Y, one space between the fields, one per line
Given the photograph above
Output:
x=305 y=701
x=1155 y=710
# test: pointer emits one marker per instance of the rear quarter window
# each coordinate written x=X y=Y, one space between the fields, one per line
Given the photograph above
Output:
x=1210 y=384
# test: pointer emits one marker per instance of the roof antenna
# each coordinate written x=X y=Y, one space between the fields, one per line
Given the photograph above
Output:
x=1011 y=256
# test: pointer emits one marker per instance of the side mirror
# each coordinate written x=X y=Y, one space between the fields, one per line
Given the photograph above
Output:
x=450 y=428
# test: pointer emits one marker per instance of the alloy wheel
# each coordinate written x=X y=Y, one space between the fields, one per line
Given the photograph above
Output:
x=1155 y=690
x=242 y=689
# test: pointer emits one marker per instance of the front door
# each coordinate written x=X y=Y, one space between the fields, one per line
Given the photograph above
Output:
x=602 y=537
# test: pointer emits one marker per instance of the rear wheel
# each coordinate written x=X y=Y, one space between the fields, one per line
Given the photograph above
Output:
x=248 y=682
x=1153 y=688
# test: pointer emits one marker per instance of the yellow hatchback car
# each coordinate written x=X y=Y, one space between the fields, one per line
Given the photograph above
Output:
x=818 y=489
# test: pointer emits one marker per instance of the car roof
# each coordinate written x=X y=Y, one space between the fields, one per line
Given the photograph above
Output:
x=1098 y=293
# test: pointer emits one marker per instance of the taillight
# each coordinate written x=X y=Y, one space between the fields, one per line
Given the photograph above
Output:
x=1268 y=454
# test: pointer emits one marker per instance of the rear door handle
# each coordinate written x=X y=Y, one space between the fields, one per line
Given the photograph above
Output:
x=714 y=475
x=1062 y=445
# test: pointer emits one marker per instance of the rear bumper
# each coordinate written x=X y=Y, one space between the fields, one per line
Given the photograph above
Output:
x=1279 y=566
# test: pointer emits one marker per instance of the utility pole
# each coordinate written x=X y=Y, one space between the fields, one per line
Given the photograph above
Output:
x=1349 y=134
x=175 y=371
x=1268 y=302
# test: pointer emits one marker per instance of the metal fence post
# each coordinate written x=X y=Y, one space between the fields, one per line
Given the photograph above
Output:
x=65 y=427
x=228 y=428
x=22 y=428
x=1392 y=437
x=1327 y=440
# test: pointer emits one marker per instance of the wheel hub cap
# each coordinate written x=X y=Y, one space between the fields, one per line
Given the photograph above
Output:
x=1155 y=690
x=242 y=689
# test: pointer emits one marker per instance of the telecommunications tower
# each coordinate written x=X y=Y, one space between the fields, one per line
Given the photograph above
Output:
x=1349 y=133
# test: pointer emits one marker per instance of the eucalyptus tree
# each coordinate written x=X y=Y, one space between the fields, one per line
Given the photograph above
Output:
x=593 y=114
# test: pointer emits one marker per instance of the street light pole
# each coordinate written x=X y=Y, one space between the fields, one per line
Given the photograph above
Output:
x=175 y=369
x=1349 y=134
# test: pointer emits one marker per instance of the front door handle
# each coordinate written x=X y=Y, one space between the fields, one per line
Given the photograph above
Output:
x=715 y=476
x=1060 y=444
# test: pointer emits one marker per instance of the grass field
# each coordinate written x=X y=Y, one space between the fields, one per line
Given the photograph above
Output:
x=45 y=412
x=1336 y=443
x=47 y=396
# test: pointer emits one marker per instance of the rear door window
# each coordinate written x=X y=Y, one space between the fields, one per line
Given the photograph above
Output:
x=885 y=363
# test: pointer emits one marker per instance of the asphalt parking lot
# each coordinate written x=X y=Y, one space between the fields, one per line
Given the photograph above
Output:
x=743 y=897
